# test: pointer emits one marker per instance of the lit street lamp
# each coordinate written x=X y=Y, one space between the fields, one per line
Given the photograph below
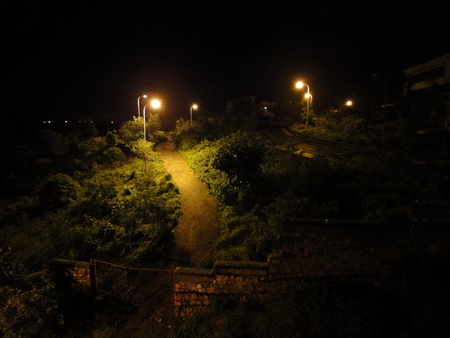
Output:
x=349 y=103
x=138 y=100
x=194 y=106
x=308 y=97
x=155 y=104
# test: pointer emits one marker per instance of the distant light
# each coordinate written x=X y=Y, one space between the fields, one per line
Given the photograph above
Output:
x=112 y=122
x=194 y=106
x=307 y=95
x=299 y=84
x=65 y=121
x=349 y=103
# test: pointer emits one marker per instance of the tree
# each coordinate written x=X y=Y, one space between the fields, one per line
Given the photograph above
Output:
x=132 y=131
x=112 y=138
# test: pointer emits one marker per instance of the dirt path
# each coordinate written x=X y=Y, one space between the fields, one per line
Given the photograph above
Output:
x=198 y=228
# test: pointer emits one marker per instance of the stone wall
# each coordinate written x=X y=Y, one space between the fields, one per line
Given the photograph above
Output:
x=73 y=274
x=311 y=249
x=195 y=289
x=315 y=249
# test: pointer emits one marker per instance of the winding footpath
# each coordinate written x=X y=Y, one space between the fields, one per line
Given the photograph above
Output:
x=198 y=227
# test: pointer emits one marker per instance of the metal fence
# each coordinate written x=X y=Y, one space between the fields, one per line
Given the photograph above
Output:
x=135 y=285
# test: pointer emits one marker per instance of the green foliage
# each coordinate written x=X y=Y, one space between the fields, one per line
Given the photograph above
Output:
x=48 y=142
x=112 y=138
x=83 y=130
x=58 y=191
x=187 y=134
x=18 y=212
x=27 y=304
x=144 y=149
x=130 y=132
x=130 y=211
x=114 y=154
x=240 y=155
x=91 y=146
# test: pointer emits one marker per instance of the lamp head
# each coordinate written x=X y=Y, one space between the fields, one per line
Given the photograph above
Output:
x=155 y=103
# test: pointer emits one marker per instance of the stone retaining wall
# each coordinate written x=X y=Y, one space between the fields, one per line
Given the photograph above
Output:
x=72 y=273
x=195 y=289
x=311 y=249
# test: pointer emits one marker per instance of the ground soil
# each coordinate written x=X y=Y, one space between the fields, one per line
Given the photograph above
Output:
x=198 y=228
x=196 y=233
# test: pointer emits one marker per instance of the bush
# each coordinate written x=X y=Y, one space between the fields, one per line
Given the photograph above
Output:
x=28 y=307
x=58 y=191
x=48 y=142
x=114 y=154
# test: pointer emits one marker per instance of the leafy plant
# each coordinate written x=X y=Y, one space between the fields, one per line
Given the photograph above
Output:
x=58 y=191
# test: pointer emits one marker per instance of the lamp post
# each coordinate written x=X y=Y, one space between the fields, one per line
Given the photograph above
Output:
x=154 y=104
x=385 y=105
x=308 y=97
x=138 y=101
x=194 y=106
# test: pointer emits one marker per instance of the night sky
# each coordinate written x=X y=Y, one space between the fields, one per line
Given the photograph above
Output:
x=69 y=60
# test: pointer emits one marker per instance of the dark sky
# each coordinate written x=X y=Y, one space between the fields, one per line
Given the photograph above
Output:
x=95 y=60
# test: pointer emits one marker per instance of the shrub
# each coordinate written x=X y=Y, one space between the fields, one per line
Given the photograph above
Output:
x=48 y=142
x=58 y=191
x=114 y=154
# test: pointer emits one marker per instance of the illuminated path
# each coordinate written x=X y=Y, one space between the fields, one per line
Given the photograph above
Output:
x=198 y=227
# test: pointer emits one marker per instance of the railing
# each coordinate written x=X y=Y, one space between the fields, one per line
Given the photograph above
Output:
x=142 y=286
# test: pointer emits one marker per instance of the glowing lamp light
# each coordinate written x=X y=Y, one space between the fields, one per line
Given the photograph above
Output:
x=155 y=104
x=194 y=106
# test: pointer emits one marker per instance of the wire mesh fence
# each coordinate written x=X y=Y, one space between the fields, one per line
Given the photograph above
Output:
x=135 y=285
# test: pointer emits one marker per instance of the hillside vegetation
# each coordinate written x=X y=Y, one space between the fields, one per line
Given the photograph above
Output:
x=261 y=182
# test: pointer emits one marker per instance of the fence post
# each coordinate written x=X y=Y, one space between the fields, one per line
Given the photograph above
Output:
x=93 y=276
x=128 y=285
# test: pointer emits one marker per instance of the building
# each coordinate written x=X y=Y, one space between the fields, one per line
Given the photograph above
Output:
x=427 y=89
x=250 y=107
x=427 y=74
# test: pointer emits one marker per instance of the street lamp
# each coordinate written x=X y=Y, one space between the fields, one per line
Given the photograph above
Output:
x=385 y=104
x=194 y=106
x=308 y=97
x=349 y=103
x=154 y=104
x=138 y=100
